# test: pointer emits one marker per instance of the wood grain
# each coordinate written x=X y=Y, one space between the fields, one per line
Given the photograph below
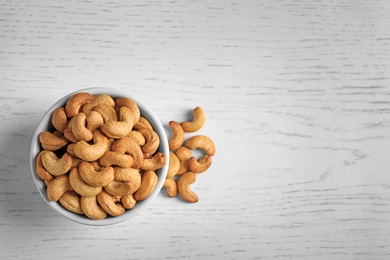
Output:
x=297 y=99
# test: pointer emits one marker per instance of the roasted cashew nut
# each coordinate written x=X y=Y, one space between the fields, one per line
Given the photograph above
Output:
x=149 y=181
x=183 y=154
x=203 y=142
x=96 y=178
x=93 y=152
x=59 y=119
x=80 y=186
x=128 y=201
x=177 y=138
x=91 y=208
x=57 y=187
x=183 y=187
x=129 y=103
x=75 y=102
x=71 y=201
x=94 y=121
x=56 y=166
x=107 y=112
x=79 y=129
x=201 y=165
x=110 y=158
x=152 y=141
x=143 y=122
x=123 y=188
x=128 y=146
x=174 y=165
x=41 y=171
x=107 y=203
x=171 y=187
x=52 y=141
x=126 y=174
x=137 y=137
x=156 y=162
x=197 y=122
x=121 y=128
x=101 y=99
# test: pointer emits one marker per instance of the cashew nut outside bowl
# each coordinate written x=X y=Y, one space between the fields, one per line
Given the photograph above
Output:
x=46 y=125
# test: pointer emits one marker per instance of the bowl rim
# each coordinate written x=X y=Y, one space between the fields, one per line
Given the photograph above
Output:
x=45 y=124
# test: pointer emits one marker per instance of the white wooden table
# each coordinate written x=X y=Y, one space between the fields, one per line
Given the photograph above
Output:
x=297 y=98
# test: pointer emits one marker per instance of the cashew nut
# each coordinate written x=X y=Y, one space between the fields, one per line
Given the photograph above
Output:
x=91 y=208
x=149 y=181
x=71 y=201
x=121 y=128
x=52 y=141
x=197 y=122
x=123 y=188
x=96 y=178
x=152 y=141
x=113 y=158
x=143 y=122
x=68 y=134
x=79 y=129
x=41 y=171
x=203 y=142
x=59 y=119
x=108 y=113
x=174 y=165
x=56 y=166
x=171 y=187
x=88 y=152
x=129 y=103
x=57 y=187
x=137 y=137
x=156 y=162
x=75 y=102
x=128 y=201
x=80 y=186
x=201 y=165
x=177 y=138
x=183 y=154
x=127 y=145
x=183 y=187
x=101 y=99
x=126 y=174
x=107 y=203
x=94 y=121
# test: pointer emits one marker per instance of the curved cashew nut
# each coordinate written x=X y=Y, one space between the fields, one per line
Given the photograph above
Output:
x=127 y=145
x=203 y=142
x=126 y=174
x=107 y=203
x=71 y=201
x=197 y=122
x=96 y=178
x=183 y=187
x=123 y=188
x=52 y=141
x=156 y=162
x=152 y=141
x=201 y=165
x=149 y=181
x=80 y=186
x=177 y=138
x=143 y=122
x=59 y=119
x=91 y=208
x=118 y=129
x=174 y=165
x=113 y=158
x=41 y=171
x=129 y=103
x=128 y=201
x=68 y=134
x=79 y=129
x=107 y=112
x=75 y=102
x=88 y=152
x=137 y=137
x=101 y=99
x=94 y=121
x=171 y=187
x=57 y=166
x=183 y=154
x=57 y=187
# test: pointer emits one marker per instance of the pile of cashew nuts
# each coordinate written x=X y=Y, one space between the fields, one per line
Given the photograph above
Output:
x=183 y=166
x=102 y=156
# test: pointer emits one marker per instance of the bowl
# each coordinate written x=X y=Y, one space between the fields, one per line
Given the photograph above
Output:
x=45 y=125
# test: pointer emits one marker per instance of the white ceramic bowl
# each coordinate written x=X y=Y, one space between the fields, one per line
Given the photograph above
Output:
x=45 y=125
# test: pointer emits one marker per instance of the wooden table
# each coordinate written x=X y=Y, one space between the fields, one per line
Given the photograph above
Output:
x=297 y=99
